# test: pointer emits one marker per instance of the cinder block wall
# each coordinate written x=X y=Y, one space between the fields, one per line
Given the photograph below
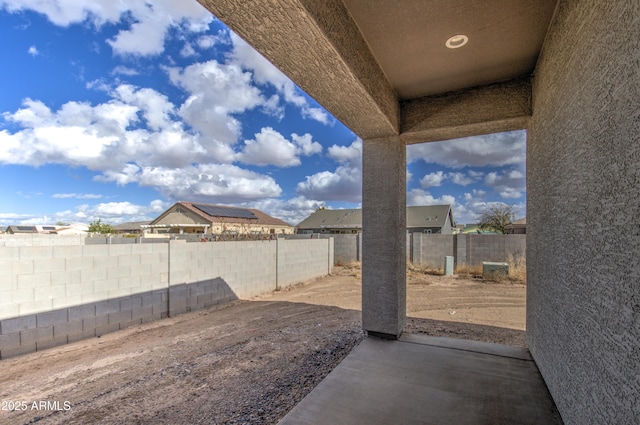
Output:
x=37 y=239
x=430 y=250
x=481 y=248
x=347 y=247
x=583 y=212
x=202 y=274
x=52 y=295
x=298 y=260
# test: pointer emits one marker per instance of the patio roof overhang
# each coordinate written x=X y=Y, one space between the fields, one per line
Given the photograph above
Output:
x=384 y=69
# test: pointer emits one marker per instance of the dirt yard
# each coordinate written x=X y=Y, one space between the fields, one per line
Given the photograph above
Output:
x=246 y=362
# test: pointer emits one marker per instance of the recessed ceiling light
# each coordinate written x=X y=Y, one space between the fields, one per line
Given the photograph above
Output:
x=457 y=41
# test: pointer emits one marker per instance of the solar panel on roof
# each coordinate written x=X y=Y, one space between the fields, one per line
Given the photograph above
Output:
x=216 y=211
x=48 y=227
x=27 y=228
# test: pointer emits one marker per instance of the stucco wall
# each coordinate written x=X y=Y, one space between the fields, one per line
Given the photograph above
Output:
x=583 y=217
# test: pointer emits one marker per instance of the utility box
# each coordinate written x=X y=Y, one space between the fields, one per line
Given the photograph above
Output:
x=448 y=265
x=494 y=271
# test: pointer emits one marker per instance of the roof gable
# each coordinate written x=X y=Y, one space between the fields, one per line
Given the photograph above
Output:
x=429 y=216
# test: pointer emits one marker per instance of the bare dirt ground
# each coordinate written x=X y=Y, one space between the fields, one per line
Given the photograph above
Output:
x=246 y=362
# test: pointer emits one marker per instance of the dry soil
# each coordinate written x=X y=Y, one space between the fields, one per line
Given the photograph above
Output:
x=245 y=362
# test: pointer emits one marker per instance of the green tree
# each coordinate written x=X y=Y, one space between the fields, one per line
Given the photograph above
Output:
x=98 y=227
x=497 y=217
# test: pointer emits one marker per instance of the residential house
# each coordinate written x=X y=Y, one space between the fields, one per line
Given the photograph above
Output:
x=423 y=219
x=188 y=217
x=74 y=228
x=518 y=227
x=13 y=230
x=131 y=228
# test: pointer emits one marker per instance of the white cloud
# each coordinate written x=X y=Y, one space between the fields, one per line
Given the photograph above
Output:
x=104 y=136
x=271 y=148
x=510 y=184
x=476 y=193
x=265 y=73
x=110 y=213
x=439 y=177
x=416 y=197
x=213 y=183
x=306 y=145
x=76 y=196
x=7 y=219
x=293 y=210
x=155 y=107
x=510 y=193
x=123 y=70
x=432 y=180
x=317 y=114
x=148 y=21
x=114 y=212
x=111 y=209
x=33 y=51
x=343 y=184
x=187 y=51
x=208 y=41
x=216 y=92
x=66 y=12
x=137 y=137
x=497 y=149
x=353 y=152
x=460 y=179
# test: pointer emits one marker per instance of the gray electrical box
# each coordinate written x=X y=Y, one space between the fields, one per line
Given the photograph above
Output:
x=448 y=265
x=494 y=271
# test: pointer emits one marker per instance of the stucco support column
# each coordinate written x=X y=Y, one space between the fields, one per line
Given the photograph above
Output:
x=384 y=237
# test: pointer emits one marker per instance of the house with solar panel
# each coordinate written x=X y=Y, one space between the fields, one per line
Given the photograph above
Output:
x=188 y=217
x=15 y=230
x=69 y=229
x=436 y=219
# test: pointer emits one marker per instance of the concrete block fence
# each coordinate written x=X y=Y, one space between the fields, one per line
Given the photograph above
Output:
x=430 y=249
x=468 y=249
x=347 y=247
x=52 y=295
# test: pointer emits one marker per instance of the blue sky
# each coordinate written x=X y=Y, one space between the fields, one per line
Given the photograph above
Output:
x=117 y=109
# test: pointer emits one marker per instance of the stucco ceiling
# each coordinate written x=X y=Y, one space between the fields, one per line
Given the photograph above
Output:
x=407 y=38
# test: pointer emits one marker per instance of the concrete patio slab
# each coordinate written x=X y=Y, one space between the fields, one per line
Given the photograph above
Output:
x=429 y=380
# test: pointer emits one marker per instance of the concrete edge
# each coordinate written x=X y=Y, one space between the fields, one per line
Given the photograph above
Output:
x=468 y=345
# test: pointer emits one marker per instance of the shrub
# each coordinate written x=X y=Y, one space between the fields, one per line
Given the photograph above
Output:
x=517 y=269
x=469 y=271
x=424 y=269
